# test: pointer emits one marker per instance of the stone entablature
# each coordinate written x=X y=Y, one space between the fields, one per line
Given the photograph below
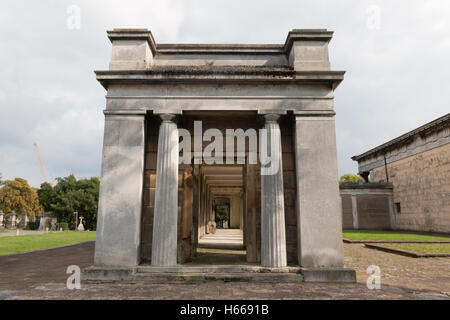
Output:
x=295 y=76
x=429 y=136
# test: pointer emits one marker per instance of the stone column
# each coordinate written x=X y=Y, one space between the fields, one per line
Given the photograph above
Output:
x=121 y=186
x=1 y=218
x=355 y=212
x=164 y=244
x=273 y=234
x=318 y=201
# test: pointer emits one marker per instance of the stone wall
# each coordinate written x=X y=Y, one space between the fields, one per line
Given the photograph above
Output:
x=421 y=190
x=367 y=206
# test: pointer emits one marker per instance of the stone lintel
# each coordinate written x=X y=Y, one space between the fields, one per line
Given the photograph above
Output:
x=314 y=113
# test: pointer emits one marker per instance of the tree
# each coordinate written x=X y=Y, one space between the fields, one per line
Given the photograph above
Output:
x=350 y=178
x=47 y=196
x=17 y=195
x=70 y=195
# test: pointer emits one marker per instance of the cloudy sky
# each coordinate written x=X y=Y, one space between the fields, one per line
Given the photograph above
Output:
x=396 y=54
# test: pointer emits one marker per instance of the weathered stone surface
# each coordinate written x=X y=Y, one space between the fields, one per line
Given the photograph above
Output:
x=318 y=201
x=422 y=190
x=120 y=204
x=367 y=206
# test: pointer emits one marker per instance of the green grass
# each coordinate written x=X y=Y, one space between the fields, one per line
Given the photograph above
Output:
x=423 y=248
x=16 y=244
x=389 y=236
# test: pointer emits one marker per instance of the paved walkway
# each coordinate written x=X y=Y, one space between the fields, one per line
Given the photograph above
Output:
x=42 y=275
x=9 y=233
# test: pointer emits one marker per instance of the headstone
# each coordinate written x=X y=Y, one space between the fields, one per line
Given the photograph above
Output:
x=1 y=220
x=11 y=223
x=42 y=223
x=80 y=226
x=53 y=224
x=23 y=221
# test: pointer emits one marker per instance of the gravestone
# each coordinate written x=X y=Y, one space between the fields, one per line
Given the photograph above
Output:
x=80 y=226
x=23 y=221
x=42 y=222
x=53 y=224
x=1 y=220
x=11 y=223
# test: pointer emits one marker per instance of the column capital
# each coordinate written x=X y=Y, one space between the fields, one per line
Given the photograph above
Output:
x=271 y=117
x=167 y=117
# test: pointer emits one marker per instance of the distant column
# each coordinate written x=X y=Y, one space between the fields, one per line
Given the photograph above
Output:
x=273 y=234
x=355 y=212
x=164 y=244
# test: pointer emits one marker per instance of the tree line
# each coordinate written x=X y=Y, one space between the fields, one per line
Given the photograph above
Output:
x=66 y=197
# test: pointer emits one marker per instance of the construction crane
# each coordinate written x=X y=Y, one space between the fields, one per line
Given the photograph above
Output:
x=36 y=149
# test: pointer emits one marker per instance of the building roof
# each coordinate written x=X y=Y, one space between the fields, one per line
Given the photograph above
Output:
x=430 y=126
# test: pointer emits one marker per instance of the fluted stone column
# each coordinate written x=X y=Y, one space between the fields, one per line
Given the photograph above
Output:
x=273 y=241
x=164 y=244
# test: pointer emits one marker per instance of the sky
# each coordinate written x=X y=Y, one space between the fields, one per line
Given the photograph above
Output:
x=396 y=55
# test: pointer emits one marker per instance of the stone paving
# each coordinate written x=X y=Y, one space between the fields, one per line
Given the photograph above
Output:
x=42 y=275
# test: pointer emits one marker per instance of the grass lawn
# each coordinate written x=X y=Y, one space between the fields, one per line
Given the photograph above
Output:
x=422 y=248
x=15 y=244
x=389 y=236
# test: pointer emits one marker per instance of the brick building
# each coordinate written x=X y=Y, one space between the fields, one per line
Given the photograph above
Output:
x=418 y=166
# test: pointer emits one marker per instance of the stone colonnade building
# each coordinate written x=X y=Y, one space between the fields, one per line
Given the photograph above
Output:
x=153 y=210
